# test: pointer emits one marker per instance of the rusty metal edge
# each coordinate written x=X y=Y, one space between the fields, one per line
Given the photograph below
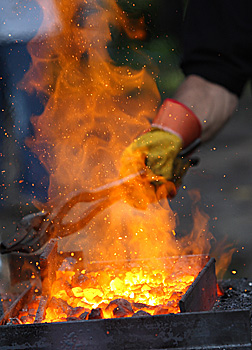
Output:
x=204 y=330
x=202 y=293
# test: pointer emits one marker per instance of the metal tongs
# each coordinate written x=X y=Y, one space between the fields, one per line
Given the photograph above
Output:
x=35 y=230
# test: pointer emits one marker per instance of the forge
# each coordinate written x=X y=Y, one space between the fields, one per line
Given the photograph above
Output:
x=160 y=291
x=199 y=322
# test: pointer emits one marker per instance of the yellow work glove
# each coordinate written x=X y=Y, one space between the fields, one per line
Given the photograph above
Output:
x=156 y=152
x=156 y=149
x=153 y=155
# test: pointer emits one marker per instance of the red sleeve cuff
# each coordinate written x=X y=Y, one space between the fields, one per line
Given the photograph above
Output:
x=177 y=118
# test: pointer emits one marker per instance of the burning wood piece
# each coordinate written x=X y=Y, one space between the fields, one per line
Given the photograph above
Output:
x=84 y=316
x=27 y=319
x=141 y=306
x=72 y=313
x=177 y=295
x=137 y=306
x=64 y=286
x=41 y=310
x=79 y=279
x=161 y=310
x=173 y=306
x=95 y=314
x=120 y=308
x=57 y=310
x=57 y=303
x=31 y=311
x=65 y=275
x=119 y=311
x=48 y=266
x=23 y=312
x=13 y=321
x=77 y=311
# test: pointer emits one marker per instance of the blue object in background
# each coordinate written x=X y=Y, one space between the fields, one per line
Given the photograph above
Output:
x=20 y=22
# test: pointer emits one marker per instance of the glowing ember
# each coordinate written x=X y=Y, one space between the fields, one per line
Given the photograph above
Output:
x=112 y=293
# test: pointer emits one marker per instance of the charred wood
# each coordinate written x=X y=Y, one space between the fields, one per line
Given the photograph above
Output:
x=14 y=321
x=120 y=308
x=76 y=311
x=95 y=314
x=40 y=314
x=48 y=265
x=59 y=303
x=84 y=316
x=27 y=319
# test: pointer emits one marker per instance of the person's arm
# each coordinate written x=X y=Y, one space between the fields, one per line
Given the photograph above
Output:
x=210 y=102
x=216 y=59
x=216 y=64
x=197 y=111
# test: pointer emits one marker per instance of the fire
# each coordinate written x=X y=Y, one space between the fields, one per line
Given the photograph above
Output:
x=93 y=109
x=154 y=290
x=112 y=292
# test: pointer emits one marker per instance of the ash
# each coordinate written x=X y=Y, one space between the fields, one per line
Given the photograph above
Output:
x=237 y=294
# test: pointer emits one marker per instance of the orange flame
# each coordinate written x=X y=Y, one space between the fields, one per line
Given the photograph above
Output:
x=93 y=110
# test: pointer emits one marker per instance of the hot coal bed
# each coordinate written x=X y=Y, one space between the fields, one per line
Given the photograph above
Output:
x=205 y=321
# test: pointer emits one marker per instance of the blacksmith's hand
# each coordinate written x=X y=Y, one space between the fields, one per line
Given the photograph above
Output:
x=157 y=151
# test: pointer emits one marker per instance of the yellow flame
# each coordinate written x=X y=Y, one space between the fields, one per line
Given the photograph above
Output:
x=93 y=110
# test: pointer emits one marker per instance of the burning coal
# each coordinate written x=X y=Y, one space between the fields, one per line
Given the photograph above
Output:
x=112 y=291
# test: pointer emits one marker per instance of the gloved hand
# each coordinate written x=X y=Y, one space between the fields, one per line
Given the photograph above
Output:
x=156 y=151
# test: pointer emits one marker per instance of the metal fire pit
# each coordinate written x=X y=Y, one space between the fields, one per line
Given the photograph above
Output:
x=196 y=327
x=203 y=330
